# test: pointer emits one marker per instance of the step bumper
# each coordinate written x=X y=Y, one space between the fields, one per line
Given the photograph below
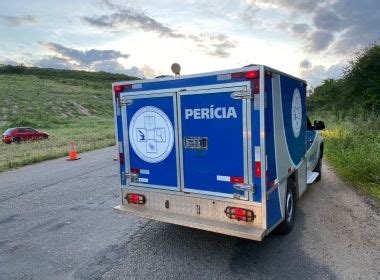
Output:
x=251 y=233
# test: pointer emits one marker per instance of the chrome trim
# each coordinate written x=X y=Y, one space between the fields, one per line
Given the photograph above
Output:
x=180 y=142
x=116 y=136
x=228 y=71
x=210 y=196
x=243 y=187
x=249 y=144
x=241 y=94
x=245 y=145
x=176 y=128
x=262 y=148
x=234 y=86
x=124 y=125
x=161 y=187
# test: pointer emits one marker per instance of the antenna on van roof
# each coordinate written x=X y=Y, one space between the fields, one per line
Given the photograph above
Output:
x=176 y=69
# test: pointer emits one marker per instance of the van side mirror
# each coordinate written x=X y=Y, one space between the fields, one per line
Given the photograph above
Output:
x=319 y=125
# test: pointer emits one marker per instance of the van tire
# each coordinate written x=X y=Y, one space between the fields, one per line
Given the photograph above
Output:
x=290 y=209
x=17 y=140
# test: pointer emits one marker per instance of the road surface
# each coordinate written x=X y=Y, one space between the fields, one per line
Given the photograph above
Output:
x=56 y=222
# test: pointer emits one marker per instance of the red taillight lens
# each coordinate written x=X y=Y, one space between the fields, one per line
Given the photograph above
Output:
x=245 y=75
x=120 y=88
x=121 y=158
x=135 y=198
x=236 y=179
x=240 y=214
x=257 y=169
x=117 y=88
x=135 y=171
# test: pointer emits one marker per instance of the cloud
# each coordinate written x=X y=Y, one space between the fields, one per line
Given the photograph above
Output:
x=112 y=66
x=130 y=18
x=316 y=74
x=86 y=57
x=54 y=62
x=320 y=40
x=89 y=60
x=7 y=61
x=327 y=19
x=300 y=29
x=293 y=5
x=148 y=71
x=18 y=21
x=305 y=64
x=218 y=45
x=338 y=26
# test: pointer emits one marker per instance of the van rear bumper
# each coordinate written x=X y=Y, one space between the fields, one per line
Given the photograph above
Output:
x=185 y=217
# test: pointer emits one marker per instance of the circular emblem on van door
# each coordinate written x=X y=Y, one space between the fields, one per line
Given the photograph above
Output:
x=151 y=134
x=296 y=113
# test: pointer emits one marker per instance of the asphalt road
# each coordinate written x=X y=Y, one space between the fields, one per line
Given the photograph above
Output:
x=56 y=222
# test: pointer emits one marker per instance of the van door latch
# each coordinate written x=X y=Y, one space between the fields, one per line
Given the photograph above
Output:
x=132 y=176
x=241 y=95
x=125 y=101
x=244 y=187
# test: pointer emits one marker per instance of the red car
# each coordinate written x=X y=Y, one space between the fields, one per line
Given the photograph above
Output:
x=18 y=134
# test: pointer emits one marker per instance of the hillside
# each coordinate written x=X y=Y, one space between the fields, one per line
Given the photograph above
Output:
x=350 y=107
x=43 y=97
x=69 y=105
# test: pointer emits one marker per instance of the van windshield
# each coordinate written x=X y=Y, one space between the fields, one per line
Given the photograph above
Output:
x=8 y=131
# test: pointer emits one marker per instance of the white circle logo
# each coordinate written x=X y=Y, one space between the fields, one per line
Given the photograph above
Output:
x=296 y=113
x=151 y=134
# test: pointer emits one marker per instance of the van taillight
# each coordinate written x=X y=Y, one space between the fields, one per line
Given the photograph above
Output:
x=245 y=75
x=239 y=214
x=118 y=88
x=135 y=198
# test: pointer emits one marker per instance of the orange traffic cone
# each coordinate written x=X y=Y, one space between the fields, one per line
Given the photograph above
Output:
x=73 y=154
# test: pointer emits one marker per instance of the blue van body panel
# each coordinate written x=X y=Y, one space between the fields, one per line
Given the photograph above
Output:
x=296 y=146
x=224 y=155
x=163 y=173
x=273 y=202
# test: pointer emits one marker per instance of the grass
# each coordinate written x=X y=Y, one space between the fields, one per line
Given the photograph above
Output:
x=89 y=134
x=352 y=146
x=69 y=105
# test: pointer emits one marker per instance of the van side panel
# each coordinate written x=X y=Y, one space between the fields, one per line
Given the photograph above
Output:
x=296 y=142
x=274 y=213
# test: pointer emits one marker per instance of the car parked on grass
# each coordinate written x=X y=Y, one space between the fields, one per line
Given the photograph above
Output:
x=18 y=134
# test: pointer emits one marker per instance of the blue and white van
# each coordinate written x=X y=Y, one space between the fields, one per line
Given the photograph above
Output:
x=228 y=152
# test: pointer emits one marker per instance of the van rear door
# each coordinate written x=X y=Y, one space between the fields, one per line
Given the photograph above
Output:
x=150 y=140
x=214 y=140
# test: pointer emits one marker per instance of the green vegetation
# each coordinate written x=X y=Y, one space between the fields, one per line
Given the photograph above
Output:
x=350 y=108
x=69 y=105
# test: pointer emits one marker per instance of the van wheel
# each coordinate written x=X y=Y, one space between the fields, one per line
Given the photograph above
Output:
x=17 y=140
x=318 y=169
x=290 y=209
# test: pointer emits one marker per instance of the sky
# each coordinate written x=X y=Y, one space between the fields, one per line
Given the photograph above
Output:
x=310 y=39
